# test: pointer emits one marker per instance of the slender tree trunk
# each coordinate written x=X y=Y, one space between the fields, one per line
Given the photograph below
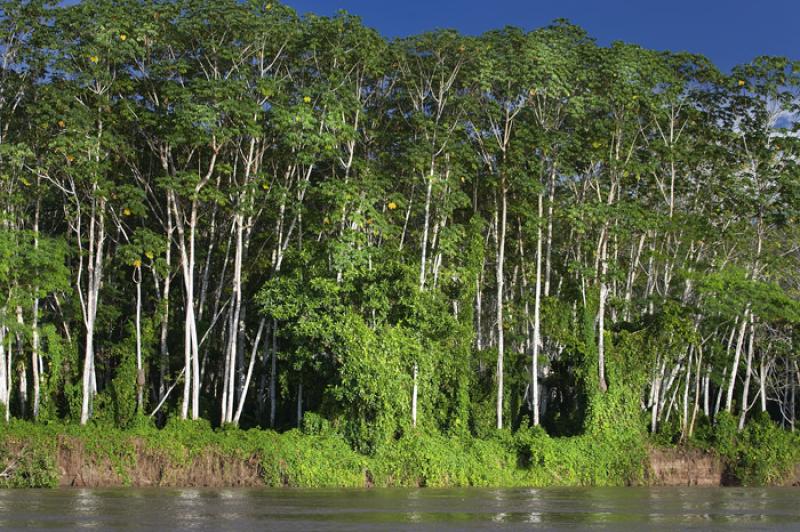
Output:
x=549 y=242
x=195 y=358
x=718 y=402
x=233 y=329
x=414 y=394
x=601 y=312
x=139 y=369
x=22 y=381
x=35 y=356
x=659 y=377
x=736 y=358
x=300 y=405
x=500 y=275
x=262 y=381
x=95 y=269
x=537 y=335
x=707 y=391
x=5 y=376
x=163 y=337
x=273 y=376
x=748 y=372
x=794 y=382
x=243 y=394
x=631 y=277
x=191 y=388
x=9 y=375
x=762 y=382
x=697 y=383
x=685 y=411
x=422 y=278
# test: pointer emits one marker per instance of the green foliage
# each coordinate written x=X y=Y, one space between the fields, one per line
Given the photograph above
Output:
x=383 y=213
x=417 y=459
x=294 y=459
x=761 y=454
x=26 y=462
x=769 y=453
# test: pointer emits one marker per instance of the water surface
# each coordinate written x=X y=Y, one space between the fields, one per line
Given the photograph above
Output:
x=395 y=509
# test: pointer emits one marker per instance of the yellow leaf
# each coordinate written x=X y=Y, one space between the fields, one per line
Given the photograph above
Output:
x=307 y=99
x=94 y=58
x=61 y=124
x=149 y=254
x=392 y=205
x=123 y=37
x=126 y=211
x=137 y=263
x=741 y=83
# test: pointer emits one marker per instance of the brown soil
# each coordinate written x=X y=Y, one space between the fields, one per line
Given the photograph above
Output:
x=685 y=467
x=208 y=469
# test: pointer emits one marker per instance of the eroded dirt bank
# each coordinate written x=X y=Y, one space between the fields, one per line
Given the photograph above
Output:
x=693 y=467
x=686 y=467
x=79 y=468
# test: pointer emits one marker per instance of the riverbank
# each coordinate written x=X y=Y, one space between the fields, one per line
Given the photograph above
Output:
x=194 y=455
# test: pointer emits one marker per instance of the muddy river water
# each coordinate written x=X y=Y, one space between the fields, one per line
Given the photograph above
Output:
x=399 y=509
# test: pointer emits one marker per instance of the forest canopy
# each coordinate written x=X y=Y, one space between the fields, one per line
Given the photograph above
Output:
x=223 y=210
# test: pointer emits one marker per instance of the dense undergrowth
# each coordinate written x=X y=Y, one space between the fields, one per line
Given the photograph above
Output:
x=324 y=459
x=319 y=456
x=610 y=448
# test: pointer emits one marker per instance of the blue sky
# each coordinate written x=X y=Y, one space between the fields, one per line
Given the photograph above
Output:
x=729 y=32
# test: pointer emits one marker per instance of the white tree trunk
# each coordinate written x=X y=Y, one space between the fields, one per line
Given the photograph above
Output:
x=273 y=375
x=95 y=269
x=4 y=375
x=35 y=356
x=601 y=313
x=735 y=366
x=139 y=370
x=745 y=407
x=243 y=394
x=537 y=336
x=500 y=275
x=422 y=278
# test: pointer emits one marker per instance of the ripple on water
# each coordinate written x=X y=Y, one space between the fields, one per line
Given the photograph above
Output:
x=397 y=509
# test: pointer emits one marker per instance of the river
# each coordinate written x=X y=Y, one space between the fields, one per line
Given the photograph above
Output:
x=395 y=509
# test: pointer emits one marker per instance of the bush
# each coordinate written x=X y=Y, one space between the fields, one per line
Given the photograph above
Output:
x=763 y=453
x=29 y=467
x=767 y=453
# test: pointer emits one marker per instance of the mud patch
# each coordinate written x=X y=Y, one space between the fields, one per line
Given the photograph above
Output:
x=209 y=468
x=685 y=467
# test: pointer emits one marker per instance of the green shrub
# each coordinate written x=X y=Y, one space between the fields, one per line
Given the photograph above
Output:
x=29 y=467
x=767 y=453
x=762 y=454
